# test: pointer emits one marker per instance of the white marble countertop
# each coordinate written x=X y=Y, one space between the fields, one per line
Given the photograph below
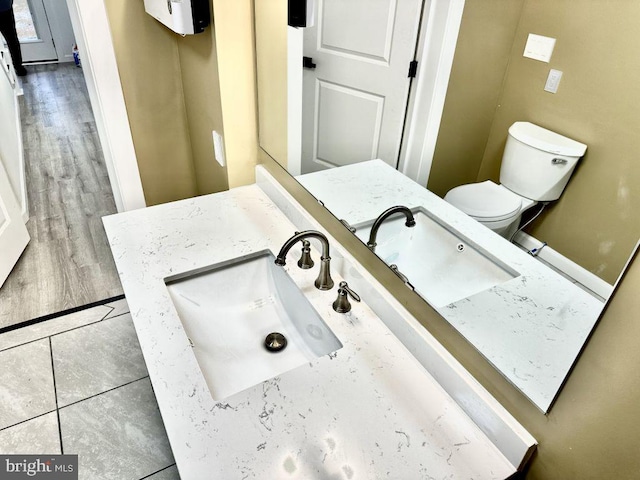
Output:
x=531 y=328
x=370 y=410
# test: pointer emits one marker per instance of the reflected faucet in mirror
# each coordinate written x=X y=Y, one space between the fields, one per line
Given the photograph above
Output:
x=411 y=222
x=324 y=281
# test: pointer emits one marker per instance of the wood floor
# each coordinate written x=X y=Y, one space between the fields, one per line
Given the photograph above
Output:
x=68 y=262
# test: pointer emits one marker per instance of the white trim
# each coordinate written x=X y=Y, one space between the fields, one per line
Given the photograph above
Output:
x=24 y=197
x=294 y=96
x=565 y=266
x=93 y=36
x=15 y=165
x=436 y=48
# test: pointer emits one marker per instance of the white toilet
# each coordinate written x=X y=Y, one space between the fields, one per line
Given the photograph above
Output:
x=536 y=166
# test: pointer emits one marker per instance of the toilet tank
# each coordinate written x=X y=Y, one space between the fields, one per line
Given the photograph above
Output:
x=537 y=163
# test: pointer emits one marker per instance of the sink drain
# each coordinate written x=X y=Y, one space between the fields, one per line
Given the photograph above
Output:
x=274 y=342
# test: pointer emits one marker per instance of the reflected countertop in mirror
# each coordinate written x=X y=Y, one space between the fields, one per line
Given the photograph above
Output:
x=531 y=326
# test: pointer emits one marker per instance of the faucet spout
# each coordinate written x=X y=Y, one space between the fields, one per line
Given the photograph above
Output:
x=383 y=216
x=324 y=281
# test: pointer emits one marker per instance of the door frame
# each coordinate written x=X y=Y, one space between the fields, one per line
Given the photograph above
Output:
x=93 y=36
x=437 y=39
x=436 y=48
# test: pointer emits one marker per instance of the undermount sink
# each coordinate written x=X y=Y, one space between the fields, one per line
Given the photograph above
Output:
x=227 y=310
x=442 y=265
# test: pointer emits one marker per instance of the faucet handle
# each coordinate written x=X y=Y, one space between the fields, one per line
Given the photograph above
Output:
x=346 y=224
x=342 y=304
x=401 y=276
x=306 y=261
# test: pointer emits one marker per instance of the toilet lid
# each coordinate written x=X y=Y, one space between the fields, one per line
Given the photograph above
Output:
x=485 y=201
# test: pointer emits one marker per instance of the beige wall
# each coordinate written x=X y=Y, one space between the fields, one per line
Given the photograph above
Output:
x=271 y=62
x=480 y=63
x=203 y=104
x=595 y=222
x=148 y=63
x=177 y=90
x=236 y=66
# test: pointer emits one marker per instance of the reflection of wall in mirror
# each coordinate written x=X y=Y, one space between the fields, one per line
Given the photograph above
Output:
x=492 y=85
x=271 y=61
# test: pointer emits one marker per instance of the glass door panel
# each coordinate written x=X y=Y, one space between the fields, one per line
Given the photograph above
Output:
x=33 y=31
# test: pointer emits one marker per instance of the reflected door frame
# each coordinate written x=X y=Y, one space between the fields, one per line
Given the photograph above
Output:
x=436 y=48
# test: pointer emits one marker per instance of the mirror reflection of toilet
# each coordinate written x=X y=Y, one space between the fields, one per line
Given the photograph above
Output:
x=536 y=166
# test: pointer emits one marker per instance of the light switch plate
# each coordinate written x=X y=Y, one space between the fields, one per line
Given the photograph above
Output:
x=539 y=47
x=218 y=148
x=553 y=80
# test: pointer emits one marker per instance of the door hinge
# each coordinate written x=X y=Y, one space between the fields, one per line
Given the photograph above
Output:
x=413 y=69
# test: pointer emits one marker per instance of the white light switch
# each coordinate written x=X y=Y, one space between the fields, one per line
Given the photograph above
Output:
x=218 y=148
x=539 y=47
x=553 y=80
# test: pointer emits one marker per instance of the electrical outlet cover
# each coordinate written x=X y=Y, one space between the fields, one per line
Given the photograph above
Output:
x=218 y=148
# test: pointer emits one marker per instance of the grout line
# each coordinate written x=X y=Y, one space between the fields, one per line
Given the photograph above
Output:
x=103 y=319
x=161 y=470
x=57 y=333
x=55 y=393
x=108 y=306
x=106 y=391
x=116 y=316
x=62 y=313
x=27 y=420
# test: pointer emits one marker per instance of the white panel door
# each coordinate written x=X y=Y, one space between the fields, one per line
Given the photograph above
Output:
x=13 y=234
x=34 y=32
x=354 y=100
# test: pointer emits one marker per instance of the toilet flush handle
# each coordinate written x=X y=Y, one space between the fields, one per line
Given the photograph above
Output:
x=559 y=161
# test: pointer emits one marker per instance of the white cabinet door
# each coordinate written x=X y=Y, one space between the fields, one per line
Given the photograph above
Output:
x=354 y=100
x=13 y=233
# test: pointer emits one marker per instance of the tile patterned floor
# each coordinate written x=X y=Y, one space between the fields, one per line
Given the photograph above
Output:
x=78 y=384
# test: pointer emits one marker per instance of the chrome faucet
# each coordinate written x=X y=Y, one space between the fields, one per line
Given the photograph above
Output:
x=383 y=216
x=324 y=281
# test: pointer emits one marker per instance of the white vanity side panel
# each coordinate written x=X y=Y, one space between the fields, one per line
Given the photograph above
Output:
x=515 y=443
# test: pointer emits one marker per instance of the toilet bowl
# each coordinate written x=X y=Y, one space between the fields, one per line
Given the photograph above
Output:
x=536 y=166
x=493 y=205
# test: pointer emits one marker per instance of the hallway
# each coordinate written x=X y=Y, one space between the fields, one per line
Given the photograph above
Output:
x=68 y=262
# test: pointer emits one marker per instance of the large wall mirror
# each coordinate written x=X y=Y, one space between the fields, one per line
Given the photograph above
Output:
x=364 y=134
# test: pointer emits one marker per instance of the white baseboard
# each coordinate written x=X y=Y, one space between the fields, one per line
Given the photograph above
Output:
x=568 y=267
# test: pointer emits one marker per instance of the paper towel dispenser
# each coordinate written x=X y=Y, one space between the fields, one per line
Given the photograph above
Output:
x=185 y=17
